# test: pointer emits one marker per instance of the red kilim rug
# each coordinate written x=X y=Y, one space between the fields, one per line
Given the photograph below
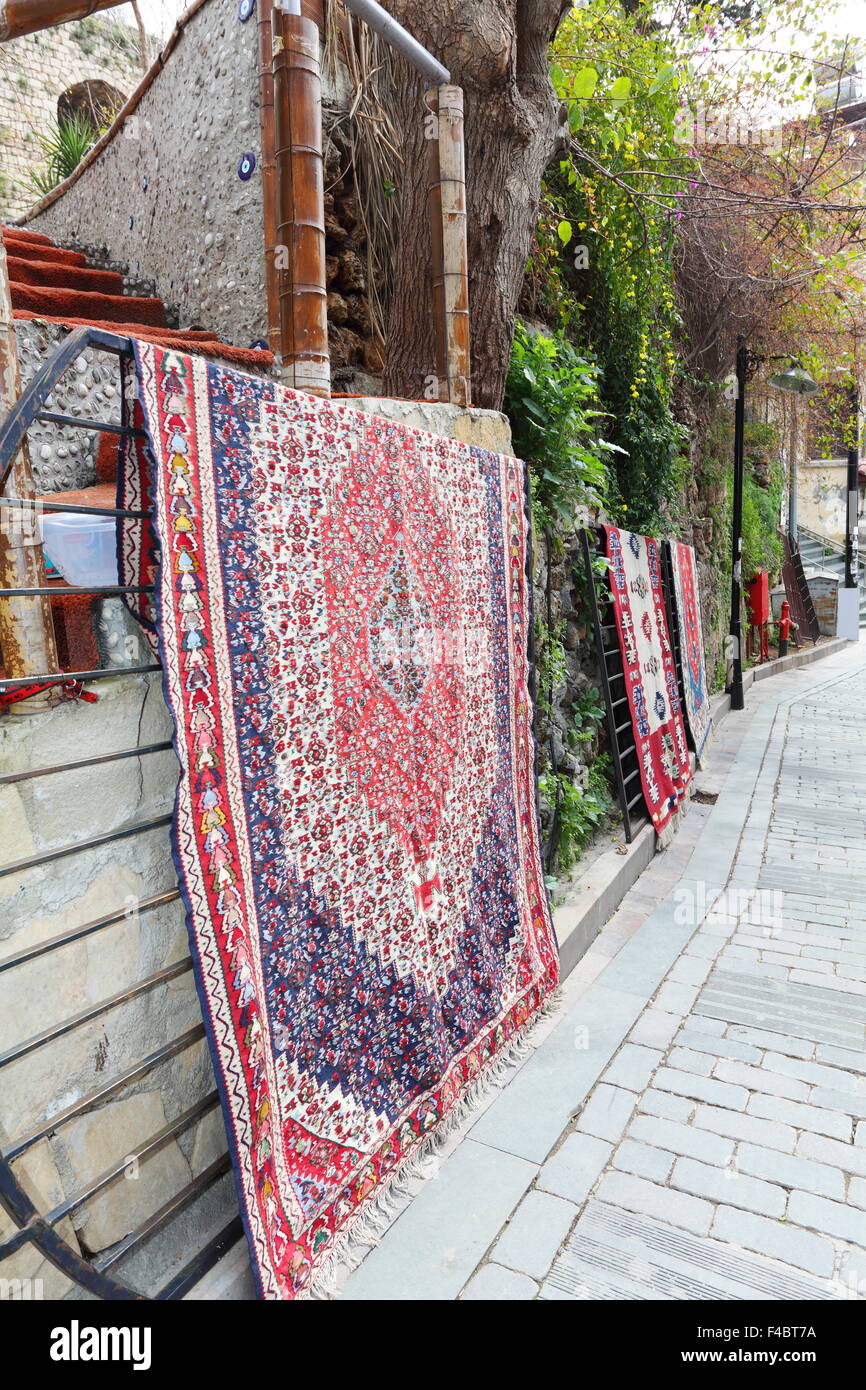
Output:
x=650 y=673
x=342 y=613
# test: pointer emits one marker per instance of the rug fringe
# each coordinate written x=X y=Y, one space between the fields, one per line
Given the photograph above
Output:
x=416 y=1170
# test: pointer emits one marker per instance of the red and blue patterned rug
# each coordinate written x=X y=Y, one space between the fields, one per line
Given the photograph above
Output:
x=687 y=608
x=342 y=614
x=650 y=674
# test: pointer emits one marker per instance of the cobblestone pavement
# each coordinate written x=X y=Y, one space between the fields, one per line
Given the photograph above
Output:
x=692 y=1123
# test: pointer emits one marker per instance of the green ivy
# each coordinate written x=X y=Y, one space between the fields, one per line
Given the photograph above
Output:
x=552 y=400
x=581 y=813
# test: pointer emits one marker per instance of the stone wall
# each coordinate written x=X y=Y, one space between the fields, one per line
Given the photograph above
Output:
x=34 y=71
x=822 y=497
x=163 y=201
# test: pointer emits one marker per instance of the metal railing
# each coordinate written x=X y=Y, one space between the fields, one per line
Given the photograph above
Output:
x=834 y=550
x=33 y=1227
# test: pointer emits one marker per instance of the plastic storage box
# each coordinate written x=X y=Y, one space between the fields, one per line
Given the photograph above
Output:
x=82 y=546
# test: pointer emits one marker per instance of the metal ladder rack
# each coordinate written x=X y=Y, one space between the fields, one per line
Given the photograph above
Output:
x=623 y=749
x=96 y=1276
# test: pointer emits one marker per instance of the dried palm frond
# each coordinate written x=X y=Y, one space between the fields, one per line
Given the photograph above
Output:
x=372 y=144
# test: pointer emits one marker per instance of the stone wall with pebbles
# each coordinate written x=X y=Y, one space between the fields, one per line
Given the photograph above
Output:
x=164 y=203
x=64 y=457
x=35 y=71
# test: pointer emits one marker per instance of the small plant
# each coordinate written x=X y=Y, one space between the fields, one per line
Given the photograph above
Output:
x=63 y=148
x=580 y=812
x=587 y=715
x=552 y=402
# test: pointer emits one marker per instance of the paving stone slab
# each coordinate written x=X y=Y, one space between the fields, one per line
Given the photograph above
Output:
x=615 y=1254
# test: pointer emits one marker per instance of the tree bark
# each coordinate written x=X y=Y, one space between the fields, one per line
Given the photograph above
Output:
x=496 y=50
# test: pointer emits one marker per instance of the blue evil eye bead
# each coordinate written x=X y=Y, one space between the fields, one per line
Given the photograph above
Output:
x=246 y=166
x=245 y=9
x=259 y=345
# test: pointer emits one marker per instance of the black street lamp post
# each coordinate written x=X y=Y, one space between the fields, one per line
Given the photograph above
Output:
x=737 y=701
x=795 y=381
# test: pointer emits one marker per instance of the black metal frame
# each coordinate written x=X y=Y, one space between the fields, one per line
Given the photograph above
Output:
x=798 y=591
x=623 y=749
x=13 y=430
x=34 y=1227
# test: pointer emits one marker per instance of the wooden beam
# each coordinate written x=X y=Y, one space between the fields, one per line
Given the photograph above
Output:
x=26 y=629
x=300 y=258
x=18 y=17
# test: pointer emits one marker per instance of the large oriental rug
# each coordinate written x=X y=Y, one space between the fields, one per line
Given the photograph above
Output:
x=650 y=673
x=688 y=617
x=342 y=613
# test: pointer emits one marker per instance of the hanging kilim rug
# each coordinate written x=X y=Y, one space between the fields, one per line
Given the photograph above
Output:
x=650 y=673
x=342 y=613
x=688 y=617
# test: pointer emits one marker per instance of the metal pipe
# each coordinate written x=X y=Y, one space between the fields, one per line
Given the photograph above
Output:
x=205 y=1179
x=161 y=977
x=100 y=674
x=736 y=687
x=36 y=861
x=398 y=38
x=43 y=504
x=99 y=1096
x=26 y=628
x=269 y=173
x=76 y=421
x=111 y=919
x=19 y=17
x=76 y=591
x=136 y=1156
x=8 y=778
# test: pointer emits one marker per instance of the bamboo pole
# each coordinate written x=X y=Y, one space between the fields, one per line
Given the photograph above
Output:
x=26 y=629
x=455 y=261
x=437 y=255
x=19 y=17
x=300 y=204
x=446 y=200
x=269 y=173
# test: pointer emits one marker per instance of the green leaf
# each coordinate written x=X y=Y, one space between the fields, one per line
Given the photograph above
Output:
x=563 y=231
x=620 y=89
x=584 y=83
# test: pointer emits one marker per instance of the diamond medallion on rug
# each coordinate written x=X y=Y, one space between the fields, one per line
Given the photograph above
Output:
x=342 y=616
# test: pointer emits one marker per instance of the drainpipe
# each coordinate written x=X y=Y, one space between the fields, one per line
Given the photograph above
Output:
x=379 y=20
x=26 y=629
x=19 y=17
x=300 y=202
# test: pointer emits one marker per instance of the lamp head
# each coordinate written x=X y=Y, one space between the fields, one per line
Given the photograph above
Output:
x=795 y=380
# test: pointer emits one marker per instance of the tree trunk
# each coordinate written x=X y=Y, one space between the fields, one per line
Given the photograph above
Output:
x=496 y=50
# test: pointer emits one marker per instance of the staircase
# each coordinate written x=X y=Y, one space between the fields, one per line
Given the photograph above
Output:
x=817 y=552
x=52 y=283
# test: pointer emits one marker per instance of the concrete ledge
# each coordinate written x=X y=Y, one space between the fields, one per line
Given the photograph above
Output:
x=599 y=894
